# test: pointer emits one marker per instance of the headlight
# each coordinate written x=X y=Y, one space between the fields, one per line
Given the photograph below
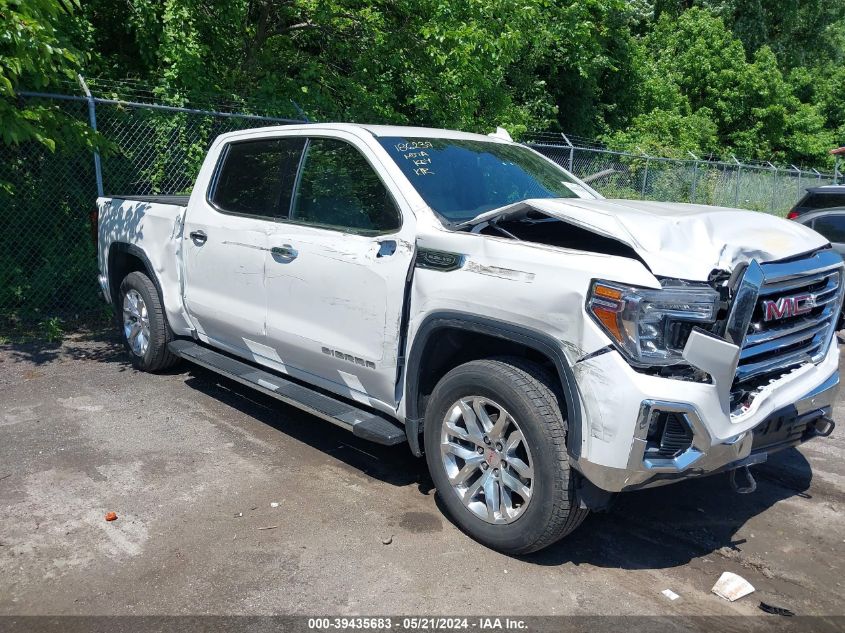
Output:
x=650 y=327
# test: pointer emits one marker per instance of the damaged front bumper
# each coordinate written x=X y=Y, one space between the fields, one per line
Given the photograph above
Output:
x=617 y=453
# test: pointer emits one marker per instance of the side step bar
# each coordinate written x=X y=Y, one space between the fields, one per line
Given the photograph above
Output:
x=365 y=424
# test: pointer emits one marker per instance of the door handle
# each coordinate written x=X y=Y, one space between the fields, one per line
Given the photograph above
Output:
x=285 y=251
x=199 y=237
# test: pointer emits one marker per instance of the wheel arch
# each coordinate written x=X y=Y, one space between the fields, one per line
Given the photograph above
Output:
x=124 y=258
x=425 y=365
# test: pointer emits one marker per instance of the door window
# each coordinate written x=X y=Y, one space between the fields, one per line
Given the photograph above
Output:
x=339 y=189
x=256 y=177
x=832 y=227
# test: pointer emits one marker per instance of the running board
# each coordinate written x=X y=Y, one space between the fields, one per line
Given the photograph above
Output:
x=365 y=424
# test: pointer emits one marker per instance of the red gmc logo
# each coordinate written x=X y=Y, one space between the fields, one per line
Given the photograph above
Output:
x=788 y=306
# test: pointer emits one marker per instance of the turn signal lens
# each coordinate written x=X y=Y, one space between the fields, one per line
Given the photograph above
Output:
x=607 y=292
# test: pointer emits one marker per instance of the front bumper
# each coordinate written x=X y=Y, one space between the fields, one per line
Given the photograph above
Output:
x=613 y=450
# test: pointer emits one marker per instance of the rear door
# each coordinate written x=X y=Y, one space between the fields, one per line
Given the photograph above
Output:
x=336 y=273
x=226 y=240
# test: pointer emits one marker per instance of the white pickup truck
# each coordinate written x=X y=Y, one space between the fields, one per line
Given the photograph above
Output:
x=544 y=347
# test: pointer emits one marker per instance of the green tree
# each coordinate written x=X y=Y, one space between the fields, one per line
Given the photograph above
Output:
x=702 y=93
x=33 y=56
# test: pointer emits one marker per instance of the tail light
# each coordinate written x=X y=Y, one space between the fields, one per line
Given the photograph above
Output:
x=93 y=221
x=792 y=215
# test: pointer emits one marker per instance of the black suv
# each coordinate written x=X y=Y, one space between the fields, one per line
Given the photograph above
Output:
x=817 y=198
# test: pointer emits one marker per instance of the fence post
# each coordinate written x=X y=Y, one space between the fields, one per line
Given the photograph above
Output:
x=571 y=150
x=694 y=176
x=774 y=186
x=92 y=119
x=798 y=196
x=736 y=184
x=645 y=175
x=818 y=175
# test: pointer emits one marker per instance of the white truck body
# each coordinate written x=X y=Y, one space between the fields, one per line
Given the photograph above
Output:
x=356 y=314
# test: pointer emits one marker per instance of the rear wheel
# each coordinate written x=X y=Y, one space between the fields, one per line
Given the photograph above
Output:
x=495 y=441
x=143 y=324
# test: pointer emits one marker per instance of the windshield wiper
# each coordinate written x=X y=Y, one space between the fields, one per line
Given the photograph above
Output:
x=494 y=215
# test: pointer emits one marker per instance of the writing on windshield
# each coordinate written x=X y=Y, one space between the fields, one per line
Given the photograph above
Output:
x=460 y=179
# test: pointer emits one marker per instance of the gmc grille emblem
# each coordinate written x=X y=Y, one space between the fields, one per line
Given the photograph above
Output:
x=788 y=307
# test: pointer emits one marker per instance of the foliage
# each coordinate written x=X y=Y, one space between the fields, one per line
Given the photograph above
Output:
x=702 y=93
x=760 y=79
x=51 y=330
x=34 y=56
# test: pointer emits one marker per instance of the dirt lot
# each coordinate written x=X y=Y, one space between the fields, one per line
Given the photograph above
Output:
x=192 y=463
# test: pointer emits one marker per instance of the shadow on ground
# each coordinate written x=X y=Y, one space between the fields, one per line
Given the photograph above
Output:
x=671 y=525
x=392 y=464
x=648 y=529
x=98 y=345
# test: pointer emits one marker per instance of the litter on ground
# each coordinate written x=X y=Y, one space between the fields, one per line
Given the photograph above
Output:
x=732 y=587
x=670 y=594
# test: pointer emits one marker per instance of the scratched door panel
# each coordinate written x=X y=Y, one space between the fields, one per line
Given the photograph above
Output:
x=224 y=279
x=334 y=311
x=226 y=240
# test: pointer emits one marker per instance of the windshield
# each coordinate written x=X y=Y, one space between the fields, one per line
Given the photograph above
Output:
x=460 y=179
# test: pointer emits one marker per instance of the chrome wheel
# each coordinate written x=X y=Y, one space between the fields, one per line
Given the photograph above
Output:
x=136 y=322
x=487 y=459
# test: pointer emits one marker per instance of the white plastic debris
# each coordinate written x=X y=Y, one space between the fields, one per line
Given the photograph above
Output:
x=501 y=133
x=274 y=504
x=732 y=587
x=670 y=594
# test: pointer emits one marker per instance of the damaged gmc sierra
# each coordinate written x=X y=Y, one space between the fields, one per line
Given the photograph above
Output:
x=543 y=347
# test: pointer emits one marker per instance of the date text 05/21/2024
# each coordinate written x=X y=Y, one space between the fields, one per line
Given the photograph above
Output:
x=417 y=623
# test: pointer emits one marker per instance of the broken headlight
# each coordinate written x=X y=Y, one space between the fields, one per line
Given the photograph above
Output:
x=651 y=326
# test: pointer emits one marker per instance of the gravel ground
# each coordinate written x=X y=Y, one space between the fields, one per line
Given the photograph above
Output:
x=194 y=466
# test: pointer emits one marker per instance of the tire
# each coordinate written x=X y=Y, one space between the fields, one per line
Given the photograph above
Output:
x=153 y=356
x=526 y=394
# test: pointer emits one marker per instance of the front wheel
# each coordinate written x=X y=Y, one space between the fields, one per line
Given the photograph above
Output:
x=495 y=443
x=143 y=324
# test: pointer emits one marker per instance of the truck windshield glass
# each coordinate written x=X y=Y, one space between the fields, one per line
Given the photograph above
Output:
x=460 y=179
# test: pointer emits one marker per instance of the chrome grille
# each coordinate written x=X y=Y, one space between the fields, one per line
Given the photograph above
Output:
x=771 y=347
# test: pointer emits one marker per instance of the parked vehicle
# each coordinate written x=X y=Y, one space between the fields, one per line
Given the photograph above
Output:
x=542 y=346
x=818 y=198
x=830 y=222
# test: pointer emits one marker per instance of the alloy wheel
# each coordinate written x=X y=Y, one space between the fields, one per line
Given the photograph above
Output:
x=136 y=322
x=487 y=460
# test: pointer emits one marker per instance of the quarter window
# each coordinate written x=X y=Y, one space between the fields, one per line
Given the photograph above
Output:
x=257 y=177
x=814 y=201
x=832 y=227
x=339 y=189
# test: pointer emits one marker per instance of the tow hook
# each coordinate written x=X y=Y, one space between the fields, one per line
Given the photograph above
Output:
x=824 y=426
x=743 y=490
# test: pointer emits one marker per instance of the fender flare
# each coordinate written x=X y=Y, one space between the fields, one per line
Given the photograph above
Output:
x=538 y=341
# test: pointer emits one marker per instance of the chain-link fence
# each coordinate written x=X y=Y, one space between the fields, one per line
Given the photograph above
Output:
x=758 y=187
x=48 y=266
x=47 y=261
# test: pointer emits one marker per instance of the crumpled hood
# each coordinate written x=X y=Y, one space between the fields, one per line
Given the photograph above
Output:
x=686 y=241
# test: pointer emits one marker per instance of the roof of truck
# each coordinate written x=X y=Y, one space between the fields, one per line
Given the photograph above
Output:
x=404 y=131
x=407 y=131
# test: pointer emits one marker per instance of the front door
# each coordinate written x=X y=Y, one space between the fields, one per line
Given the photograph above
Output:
x=336 y=275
